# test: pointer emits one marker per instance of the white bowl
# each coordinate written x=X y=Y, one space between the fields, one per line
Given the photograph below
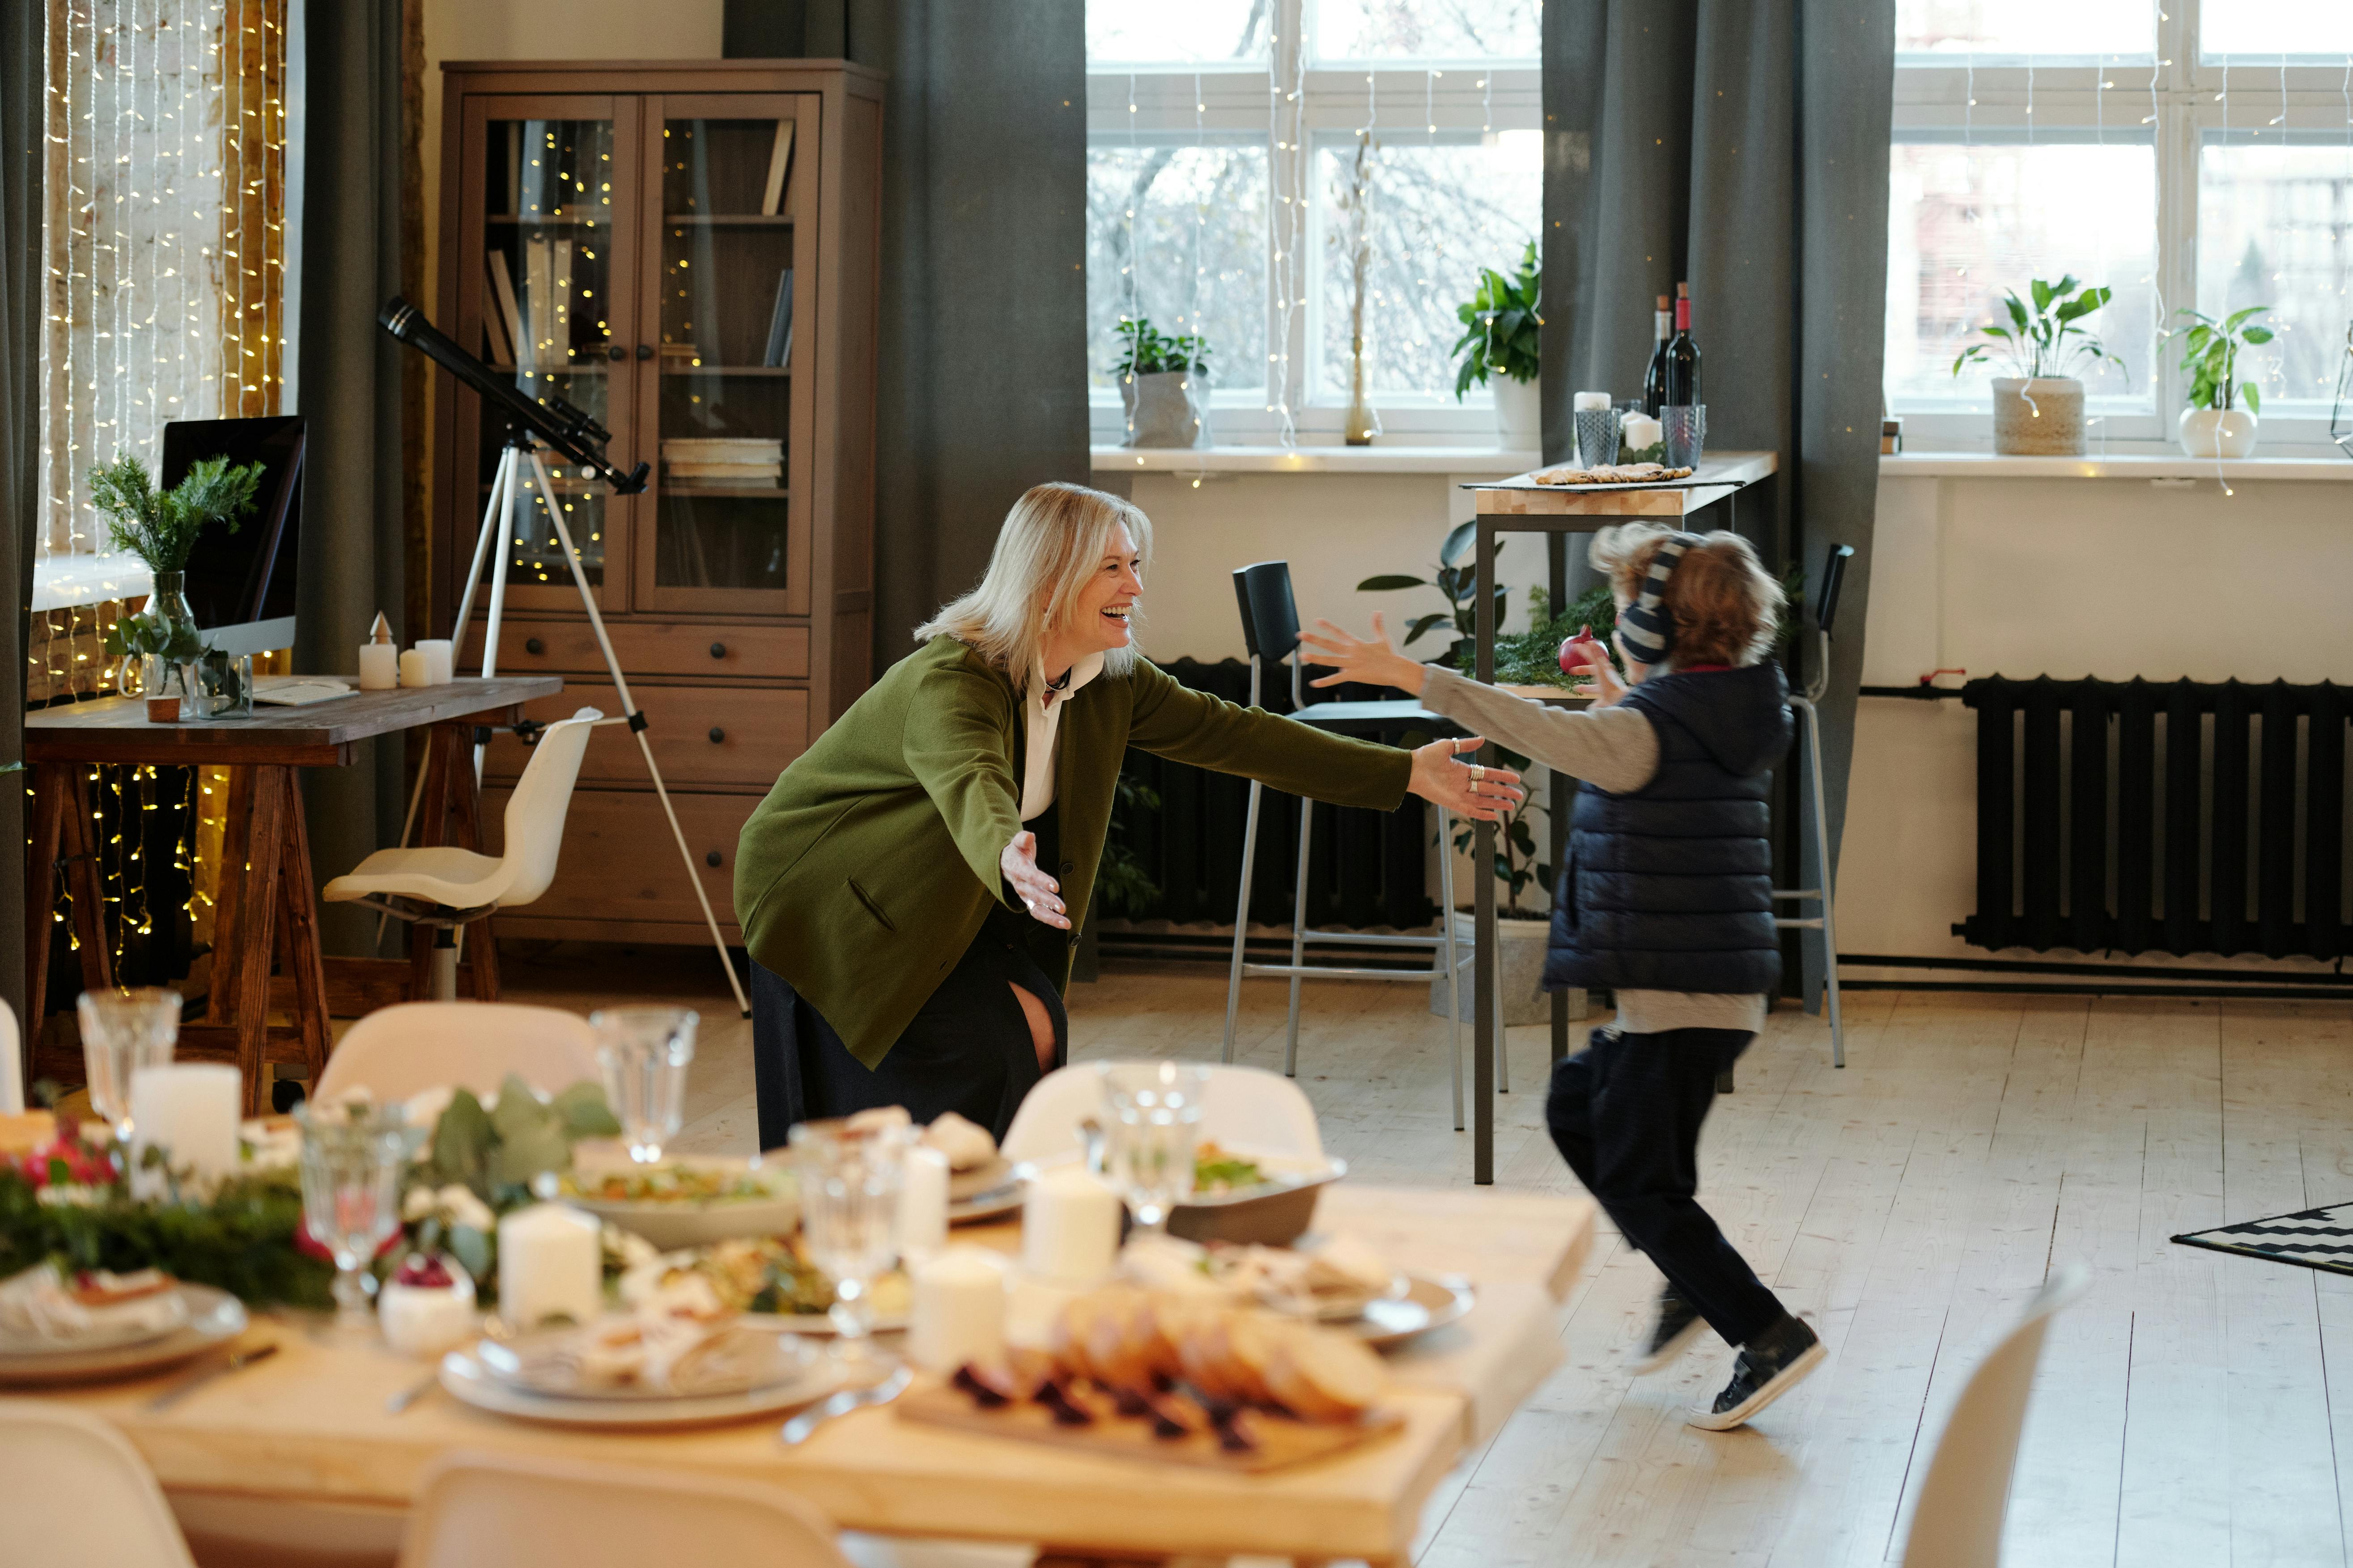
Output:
x=673 y=1224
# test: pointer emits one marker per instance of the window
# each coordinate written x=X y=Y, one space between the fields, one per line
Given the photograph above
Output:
x=1233 y=145
x=2197 y=153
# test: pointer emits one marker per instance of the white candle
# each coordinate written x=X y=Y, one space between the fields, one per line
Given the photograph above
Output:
x=1069 y=1227
x=550 y=1265
x=923 y=1202
x=1637 y=431
x=413 y=668
x=379 y=667
x=959 y=1309
x=1589 y=402
x=439 y=668
x=189 y=1109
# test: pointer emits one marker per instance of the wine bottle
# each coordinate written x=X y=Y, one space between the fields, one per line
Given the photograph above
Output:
x=1683 y=354
x=1654 y=382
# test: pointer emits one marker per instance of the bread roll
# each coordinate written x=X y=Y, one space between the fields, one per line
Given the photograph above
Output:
x=1323 y=1376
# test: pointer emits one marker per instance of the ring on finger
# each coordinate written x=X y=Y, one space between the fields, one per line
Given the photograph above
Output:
x=1478 y=771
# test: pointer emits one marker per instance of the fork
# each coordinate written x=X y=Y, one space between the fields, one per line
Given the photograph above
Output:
x=796 y=1431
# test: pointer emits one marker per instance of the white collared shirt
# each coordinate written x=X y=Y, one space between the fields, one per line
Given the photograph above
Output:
x=1042 y=708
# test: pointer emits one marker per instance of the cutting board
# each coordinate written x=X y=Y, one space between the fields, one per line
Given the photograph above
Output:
x=1281 y=1442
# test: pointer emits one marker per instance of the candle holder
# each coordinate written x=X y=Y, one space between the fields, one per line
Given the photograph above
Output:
x=1597 y=436
x=1685 y=434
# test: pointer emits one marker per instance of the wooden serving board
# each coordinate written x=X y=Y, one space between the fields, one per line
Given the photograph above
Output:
x=1281 y=1442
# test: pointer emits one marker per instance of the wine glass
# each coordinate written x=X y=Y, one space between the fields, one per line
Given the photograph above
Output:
x=850 y=1182
x=1154 y=1111
x=644 y=1052
x=354 y=1157
x=121 y=1033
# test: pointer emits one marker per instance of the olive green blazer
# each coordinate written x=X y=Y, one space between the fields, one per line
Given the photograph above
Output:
x=868 y=868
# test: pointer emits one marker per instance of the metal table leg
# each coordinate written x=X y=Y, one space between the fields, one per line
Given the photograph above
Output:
x=1482 y=883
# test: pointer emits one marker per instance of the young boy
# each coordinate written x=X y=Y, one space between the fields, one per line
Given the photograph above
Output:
x=1666 y=901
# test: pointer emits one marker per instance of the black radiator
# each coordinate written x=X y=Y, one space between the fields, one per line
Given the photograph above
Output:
x=2178 y=819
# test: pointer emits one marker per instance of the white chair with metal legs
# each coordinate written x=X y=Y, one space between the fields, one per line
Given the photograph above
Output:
x=1809 y=742
x=1271 y=631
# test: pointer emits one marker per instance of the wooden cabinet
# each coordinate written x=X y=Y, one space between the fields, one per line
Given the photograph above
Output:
x=687 y=254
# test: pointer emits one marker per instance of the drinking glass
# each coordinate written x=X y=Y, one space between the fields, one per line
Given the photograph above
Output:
x=850 y=1181
x=353 y=1158
x=1597 y=436
x=1685 y=434
x=1155 y=1109
x=644 y=1052
x=121 y=1033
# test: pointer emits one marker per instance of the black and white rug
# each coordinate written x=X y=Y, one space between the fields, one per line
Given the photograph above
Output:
x=2316 y=1238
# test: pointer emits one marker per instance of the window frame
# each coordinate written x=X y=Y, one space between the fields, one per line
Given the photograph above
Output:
x=1932 y=101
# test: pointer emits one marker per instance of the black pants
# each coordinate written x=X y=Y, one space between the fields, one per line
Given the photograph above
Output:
x=1625 y=1113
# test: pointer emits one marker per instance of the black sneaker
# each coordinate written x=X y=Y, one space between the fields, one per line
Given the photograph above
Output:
x=1768 y=1367
x=1678 y=1325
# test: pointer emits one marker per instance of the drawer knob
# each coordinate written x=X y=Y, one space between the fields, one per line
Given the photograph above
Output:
x=645 y=350
x=617 y=354
x=717 y=734
x=533 y=644
x=719 y=650
x=713 y=858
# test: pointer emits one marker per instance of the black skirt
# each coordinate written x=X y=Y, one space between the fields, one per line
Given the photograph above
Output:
x=969 y=1050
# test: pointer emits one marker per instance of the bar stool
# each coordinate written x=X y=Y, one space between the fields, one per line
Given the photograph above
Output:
x=1809 y=739
x=1271 y=631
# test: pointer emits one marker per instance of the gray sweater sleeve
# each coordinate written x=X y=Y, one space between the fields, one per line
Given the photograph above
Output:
x=1614 y=748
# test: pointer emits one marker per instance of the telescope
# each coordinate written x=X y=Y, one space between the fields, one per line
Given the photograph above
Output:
x=576 y=436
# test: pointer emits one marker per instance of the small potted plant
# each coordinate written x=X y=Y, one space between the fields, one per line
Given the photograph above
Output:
x=1499 y=348
x=2037 y=410
x=2213 y=425
x=1163 y=385
x=160 y=527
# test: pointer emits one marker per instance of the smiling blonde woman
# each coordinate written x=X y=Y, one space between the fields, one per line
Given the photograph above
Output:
x=911 y=888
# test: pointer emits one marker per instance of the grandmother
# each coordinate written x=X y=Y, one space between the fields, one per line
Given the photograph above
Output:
x=911 y=889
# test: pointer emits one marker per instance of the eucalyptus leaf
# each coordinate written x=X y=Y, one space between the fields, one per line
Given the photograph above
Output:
x=584 y=1111
x=472 y=1248
x=461 y=1144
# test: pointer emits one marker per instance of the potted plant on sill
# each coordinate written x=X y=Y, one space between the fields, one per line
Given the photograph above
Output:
x=1163 y=385
x=160 y=527
x=2213 y=425
x=1499 y=347
x=2039 y=410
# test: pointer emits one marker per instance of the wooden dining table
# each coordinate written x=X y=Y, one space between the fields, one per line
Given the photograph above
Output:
x=310 y=1423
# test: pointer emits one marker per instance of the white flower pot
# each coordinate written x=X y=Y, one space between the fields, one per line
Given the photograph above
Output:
x=1522 y=996
x=1519 y=413
x=1166 y=408
x=2038 y=418
x=2218 y=432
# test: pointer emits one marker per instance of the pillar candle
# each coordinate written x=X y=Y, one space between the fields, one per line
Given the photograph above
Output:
x=1637 y=432
x=439 y=668
x=1586 y=402
x=551 y=1265
x=1069 y=1227
x=959 y=1309
x=413 y=668
x=189 y=1109
x=923 y=1202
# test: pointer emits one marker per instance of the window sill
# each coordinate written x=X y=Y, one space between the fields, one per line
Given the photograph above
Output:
x=70 y=581
x=1986 y=466
x=1334 y=459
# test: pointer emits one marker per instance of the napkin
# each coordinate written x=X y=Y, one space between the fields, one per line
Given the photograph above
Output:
x=42 y=1303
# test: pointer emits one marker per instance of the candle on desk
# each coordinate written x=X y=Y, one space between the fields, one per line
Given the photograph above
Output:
x=379 y=658
x=413 y=671
x=959 y=1309
x=188 y=1109
x=1589 y=402
x=1637 y=432
x=551 y=1265
x=1069 y=1227
x=439 y=668
x=923 y=1202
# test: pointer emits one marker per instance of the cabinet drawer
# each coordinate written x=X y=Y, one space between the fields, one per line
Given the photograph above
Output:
x=645 y=647
x=701 y=734
x=619 y=862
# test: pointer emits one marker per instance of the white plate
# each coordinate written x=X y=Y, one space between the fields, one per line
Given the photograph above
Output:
x=1003 y=1199
x=536 y=1364
x=470 y=1383
x=215 y=1317
x=1427 y=1303
x=676 y=1224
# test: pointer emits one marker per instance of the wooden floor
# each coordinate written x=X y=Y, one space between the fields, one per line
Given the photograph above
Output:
x=2188 y=1410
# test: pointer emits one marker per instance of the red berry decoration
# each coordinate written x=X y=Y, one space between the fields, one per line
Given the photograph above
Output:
x=425 y=1270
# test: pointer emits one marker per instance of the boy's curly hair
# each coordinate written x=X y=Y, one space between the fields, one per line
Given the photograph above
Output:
x=1724 y=605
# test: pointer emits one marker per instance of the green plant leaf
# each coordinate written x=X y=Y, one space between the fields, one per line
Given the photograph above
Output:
x=2042 y=295
x=1458 y=540
x=2253 y=396
x=585 y=1113
x=1389 y=583
x=1422 y=623
x=2256 y=335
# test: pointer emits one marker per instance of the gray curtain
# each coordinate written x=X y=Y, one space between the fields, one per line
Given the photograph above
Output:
x=348 y=387
x=22 y=52
x=1742 y=145
x=982 y=385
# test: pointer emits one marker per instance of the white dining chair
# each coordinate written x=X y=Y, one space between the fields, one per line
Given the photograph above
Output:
x=11 y=1063
x=486 y=1510
x=447 y=888
x=396 y=1051
x=1966 y=1496
x=97 y=1500
x=1243 y=1107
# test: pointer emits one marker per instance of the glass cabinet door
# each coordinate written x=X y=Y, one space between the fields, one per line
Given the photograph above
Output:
x=553 y=312
x=728 y=435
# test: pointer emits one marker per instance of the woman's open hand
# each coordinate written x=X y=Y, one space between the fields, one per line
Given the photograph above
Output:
x=1466 y=789
x=1369 y=659
x=1037 y=891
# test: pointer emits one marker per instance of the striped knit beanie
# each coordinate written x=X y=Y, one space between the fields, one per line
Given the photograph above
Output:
x=1646 y=632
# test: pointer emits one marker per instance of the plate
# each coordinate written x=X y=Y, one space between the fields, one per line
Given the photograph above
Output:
x=992 y=1203
x=539 y=1364
x=466 y=1381
x=215 y=1317
x=989 y=1176
x=675 y=1223
x=1427 y=1303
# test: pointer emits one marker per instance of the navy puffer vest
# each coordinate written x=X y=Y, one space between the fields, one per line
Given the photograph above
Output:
x=1670 y=885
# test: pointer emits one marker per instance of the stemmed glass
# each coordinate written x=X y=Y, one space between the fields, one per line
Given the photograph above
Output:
x=353 y=1158
x=121 y=1033
x=1155 y=1109
x=644 y=1052
x=850 y=1182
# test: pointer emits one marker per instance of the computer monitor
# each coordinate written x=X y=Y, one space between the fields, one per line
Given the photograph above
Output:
x=242 y=584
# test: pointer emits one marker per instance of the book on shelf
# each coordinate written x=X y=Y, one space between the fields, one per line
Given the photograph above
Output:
x=780 y=323
x=768 y=453
x=510 y=314
x=780 y=162
x=497 y=347
x=729 y=473
x=559 y=355
x=515 y=167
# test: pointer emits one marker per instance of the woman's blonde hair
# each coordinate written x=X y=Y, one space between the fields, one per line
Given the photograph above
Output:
x=1724 y=605
x=1053 y=541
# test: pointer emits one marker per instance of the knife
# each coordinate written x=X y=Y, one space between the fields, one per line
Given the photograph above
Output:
x=205 y=1374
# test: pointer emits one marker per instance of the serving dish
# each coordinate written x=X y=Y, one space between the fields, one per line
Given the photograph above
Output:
x=766 y=1201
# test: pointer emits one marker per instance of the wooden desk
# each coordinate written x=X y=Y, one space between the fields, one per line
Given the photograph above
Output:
x=310 y=1425
x=265 y=836
x=1520 y=505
